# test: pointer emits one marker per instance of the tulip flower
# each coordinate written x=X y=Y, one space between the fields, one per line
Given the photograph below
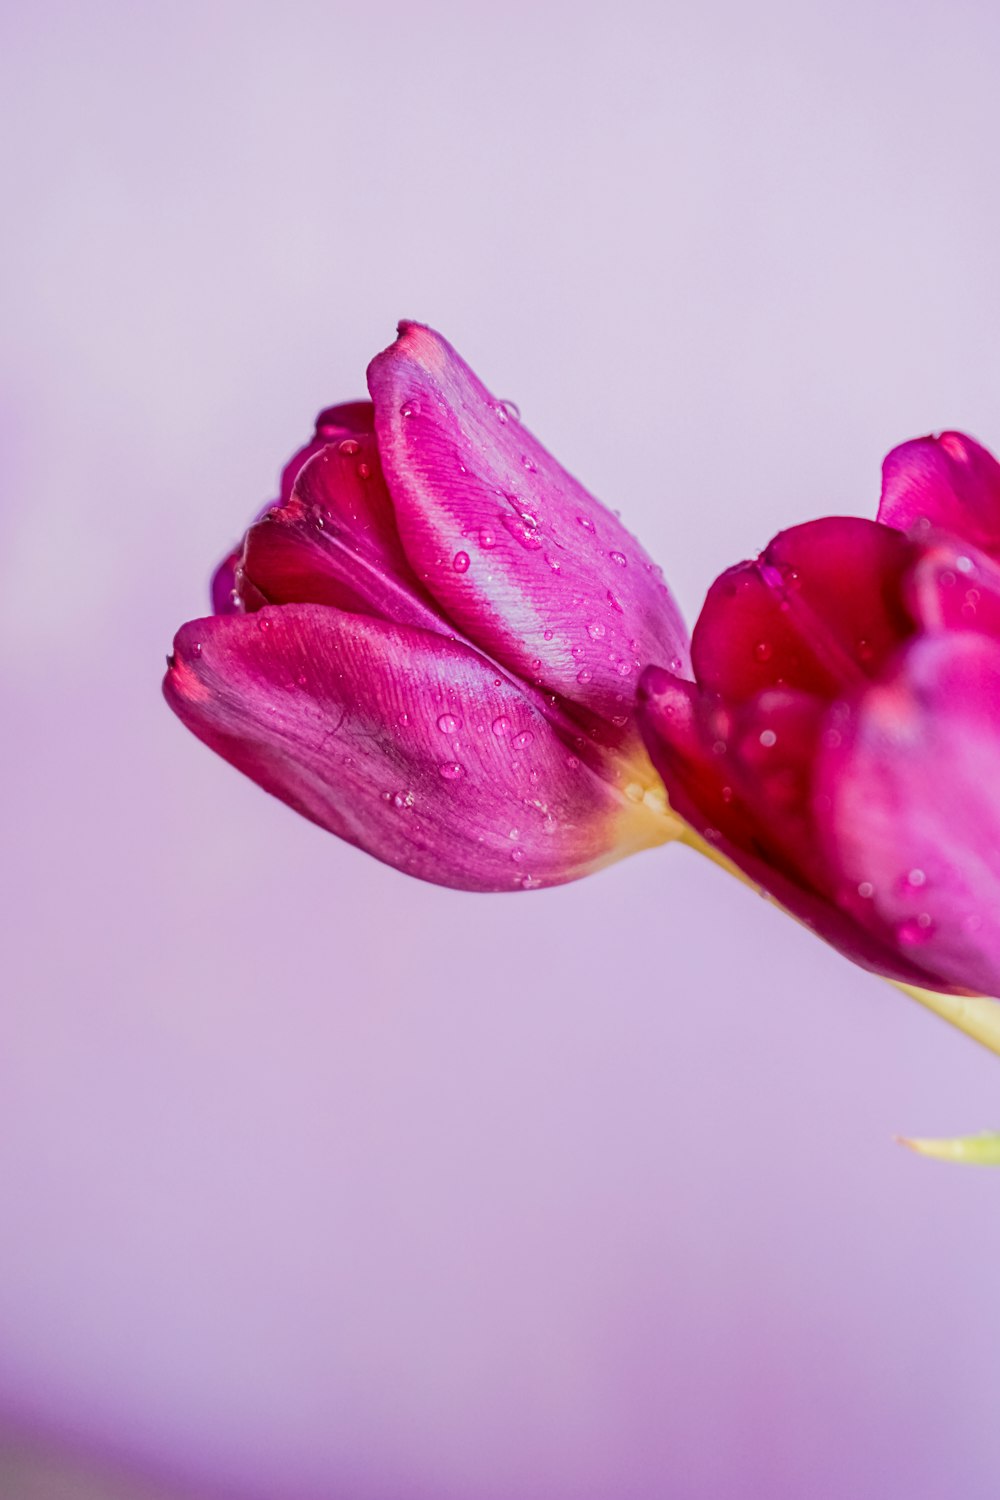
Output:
x=429 y=644
x=839 y=743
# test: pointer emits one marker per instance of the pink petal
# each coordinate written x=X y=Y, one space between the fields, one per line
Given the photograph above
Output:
x=743 y=779
x=334 y=424
x=819 y=610
x=954 y=586
x=912 y=809
x=949 y=482
x=514 y=550
x=404 y=743
x=334 y=541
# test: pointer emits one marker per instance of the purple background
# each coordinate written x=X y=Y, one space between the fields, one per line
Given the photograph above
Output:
x=318 y=1183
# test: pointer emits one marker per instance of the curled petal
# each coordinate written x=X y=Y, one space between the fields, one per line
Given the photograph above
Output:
x=334 y=541
x=402 y=742
x=909 y=808
x=947 y=482
x=514 y=550
x=818 y=611
x=352 y=419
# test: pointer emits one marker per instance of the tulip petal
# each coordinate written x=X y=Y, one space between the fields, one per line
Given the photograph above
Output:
x=402 y=742
x=743 y=780
x=818 y=611
x=954 y=586
x=947 y=481
x=910 y=808
x=515 y=551
x=229 y=593
x=334 y=541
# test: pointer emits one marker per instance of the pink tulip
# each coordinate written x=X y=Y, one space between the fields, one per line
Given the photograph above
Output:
x=840 y=742
x=430 y=643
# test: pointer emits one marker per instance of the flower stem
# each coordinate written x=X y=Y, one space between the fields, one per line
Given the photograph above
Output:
x=976 y=1015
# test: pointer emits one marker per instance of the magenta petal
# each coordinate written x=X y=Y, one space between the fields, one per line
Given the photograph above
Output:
x=954 y=586
x=516 y=552
x=910 y=808
x=335 y=424
x=819 y=610
x=334 y=541
x=948 y=482
x=743 y=780
x=404 y=743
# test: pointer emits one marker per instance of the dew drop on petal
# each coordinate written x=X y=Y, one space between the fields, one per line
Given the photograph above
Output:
x=585 y=522
x=768 y=738
x=501 y=726
x=619 y=559
x=866 y=890
x=363 y=471
x=410 y=409
x=584 y=676
x=523 y=740
x=349 y=447
x=487 y=538
x=447 y=723
x=762 y=650
x=451 y=770
x=596 y=630
x=460 y=562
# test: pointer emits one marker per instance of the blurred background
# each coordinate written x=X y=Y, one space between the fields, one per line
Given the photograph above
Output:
x=317 y=1184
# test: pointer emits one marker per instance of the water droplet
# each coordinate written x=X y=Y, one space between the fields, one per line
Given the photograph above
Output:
x=619 y=559
x=487 y=538
x=916 y=878
x=865 y=650
x=596 y=631
x=349 y=447
x=553 y=563
x=676 y=665
x=404 y=799
x=403 y=718
x=460 y=562
x=916 y=930
x=529 y=883
x=523 y=740
x=727 y=794
x=501 y=412
x=451 y=770
x=196 y=649
x=963 y=564
x=762 y=651
x=624 y=668
x=263 y=623
x=572 y=763
x=517 y=855
x=410 y=409
x=866 y=890
x=512 y=409
x=529 y=464
x=615 y=602
x=768 y=738
x=586 y=523
x=363 y=471
x=501 y=726
x=447 y=723
x=547 y=635
x=583 y=676
x=523 y=532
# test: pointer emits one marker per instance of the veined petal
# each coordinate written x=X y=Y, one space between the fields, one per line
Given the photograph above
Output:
x=514 y=550
x=819 y=610
x=910 y=808
x=334 y=541
x=409 y=745
x=948 y=482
